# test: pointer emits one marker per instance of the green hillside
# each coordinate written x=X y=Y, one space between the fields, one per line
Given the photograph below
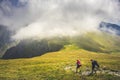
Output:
x=91 y=41
x=55 y=66
x=98 y=42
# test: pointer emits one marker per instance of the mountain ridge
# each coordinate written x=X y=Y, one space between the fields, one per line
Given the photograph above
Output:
x=103 y=41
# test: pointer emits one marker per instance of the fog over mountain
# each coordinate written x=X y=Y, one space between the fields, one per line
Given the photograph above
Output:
x=4 y=35
x=46 y=18
x=59 y=22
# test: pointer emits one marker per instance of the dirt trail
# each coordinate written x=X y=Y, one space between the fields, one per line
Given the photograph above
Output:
x=112 y=72
x=100 y=71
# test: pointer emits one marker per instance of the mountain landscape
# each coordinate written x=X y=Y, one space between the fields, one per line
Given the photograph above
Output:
x=103 y=41
x=43 y=39
x=30 y=48
x=5 y=40
x=61 y=65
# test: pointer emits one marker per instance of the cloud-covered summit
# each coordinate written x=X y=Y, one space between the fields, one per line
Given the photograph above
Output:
x=46 y=18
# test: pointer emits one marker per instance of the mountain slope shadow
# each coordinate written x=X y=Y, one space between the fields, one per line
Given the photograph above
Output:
x=31 y=48
x=4 y=36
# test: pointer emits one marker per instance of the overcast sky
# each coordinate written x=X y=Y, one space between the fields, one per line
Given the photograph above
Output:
x=47 y=18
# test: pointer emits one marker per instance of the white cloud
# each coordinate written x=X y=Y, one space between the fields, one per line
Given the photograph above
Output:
x=46 y=18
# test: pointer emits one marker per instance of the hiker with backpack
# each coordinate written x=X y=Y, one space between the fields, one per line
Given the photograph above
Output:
x=78 y=65
x=94 y=65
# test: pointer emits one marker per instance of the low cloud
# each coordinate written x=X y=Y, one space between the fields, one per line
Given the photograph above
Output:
x=47 y=18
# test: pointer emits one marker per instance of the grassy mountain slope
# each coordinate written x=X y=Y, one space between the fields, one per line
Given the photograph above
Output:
x=99 y=42
x=52 y=66
x=31 y=48
x=91 y=41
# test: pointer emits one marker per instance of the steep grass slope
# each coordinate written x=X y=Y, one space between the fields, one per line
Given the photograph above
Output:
x=91 y=41
x=98 y=42
x=52 y=66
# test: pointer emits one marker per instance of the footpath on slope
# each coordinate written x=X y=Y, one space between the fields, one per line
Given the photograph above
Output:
x=87 y=72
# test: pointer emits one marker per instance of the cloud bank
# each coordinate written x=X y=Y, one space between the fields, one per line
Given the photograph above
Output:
x=47 y=18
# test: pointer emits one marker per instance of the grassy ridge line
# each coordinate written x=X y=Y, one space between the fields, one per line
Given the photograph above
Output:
x=51 y=65
x=101 y=42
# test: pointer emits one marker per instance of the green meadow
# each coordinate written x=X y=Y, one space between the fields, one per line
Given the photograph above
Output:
x=53 y=66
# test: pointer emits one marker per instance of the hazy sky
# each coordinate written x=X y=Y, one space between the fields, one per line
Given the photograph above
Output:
x=46 y=18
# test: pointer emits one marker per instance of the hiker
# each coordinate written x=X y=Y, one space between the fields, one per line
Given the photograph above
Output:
x=94 y=65
x=78 y=65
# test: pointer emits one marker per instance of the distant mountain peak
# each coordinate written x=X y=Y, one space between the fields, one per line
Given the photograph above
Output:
x=110 y=28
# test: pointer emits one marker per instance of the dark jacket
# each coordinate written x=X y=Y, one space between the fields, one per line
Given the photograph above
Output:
x=94 y=64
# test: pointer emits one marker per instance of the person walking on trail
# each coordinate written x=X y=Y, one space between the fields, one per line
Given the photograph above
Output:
x=94 y=65
x=78 y=65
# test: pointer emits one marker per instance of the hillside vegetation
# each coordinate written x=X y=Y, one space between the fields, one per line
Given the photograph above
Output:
x=53 y=66
x=96 y=42
x=31 y=48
